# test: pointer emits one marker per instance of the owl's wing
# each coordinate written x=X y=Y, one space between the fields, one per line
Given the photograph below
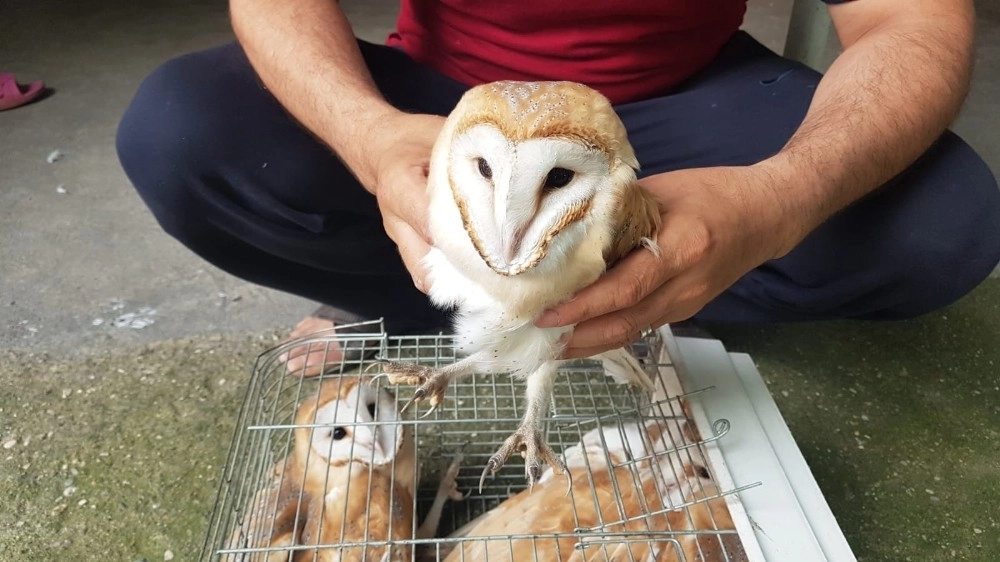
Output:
x=544 y=510
x=703 y=515
x=706 y=515
x=369 y=508
x=636 y=225
x=270 y=519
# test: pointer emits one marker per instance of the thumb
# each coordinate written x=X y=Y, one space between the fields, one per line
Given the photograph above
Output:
x=406 y=201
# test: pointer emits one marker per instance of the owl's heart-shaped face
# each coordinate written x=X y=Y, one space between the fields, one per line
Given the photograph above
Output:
x=520 y=195
x=359 y=426
x=533 y=168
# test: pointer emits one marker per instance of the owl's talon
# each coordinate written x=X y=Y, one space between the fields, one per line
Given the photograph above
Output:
x=492 y=466
x=561 y=466
x=557 y=465
x=431 y=383
x=406 y=406
x=533 y=448
x=533 y=472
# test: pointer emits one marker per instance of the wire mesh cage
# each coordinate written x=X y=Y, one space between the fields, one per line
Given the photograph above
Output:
x=329 y=467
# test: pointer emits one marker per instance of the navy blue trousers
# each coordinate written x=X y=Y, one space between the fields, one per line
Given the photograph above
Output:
x=229 y=174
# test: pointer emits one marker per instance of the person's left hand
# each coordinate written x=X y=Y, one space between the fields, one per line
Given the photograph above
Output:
x=718 y=224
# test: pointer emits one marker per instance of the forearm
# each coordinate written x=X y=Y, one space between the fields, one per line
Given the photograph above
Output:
x=880 y=105
x=306 y=54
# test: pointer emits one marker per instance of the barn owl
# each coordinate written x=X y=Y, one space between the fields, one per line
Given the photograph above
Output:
x=650 y=486
x=351 y=478
x=532 y=195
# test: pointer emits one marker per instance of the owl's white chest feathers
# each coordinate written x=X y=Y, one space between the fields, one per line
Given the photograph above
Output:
x=495 y=314
x=483 y=324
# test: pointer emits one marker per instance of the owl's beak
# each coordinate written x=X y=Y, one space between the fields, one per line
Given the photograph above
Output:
x=377 y=445
x=506 y=259
x=510 y=243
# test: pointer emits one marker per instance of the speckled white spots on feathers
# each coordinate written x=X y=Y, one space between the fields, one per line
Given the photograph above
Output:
x=533 y=101
x=568 y=110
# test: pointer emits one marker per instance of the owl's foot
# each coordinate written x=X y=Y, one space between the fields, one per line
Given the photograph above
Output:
x=449 y=483
x=431 y=383
x=527 y=439
x=447 y=489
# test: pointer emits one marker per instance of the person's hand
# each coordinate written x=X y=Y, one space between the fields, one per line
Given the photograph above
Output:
x=718 y=224
x=398 y=163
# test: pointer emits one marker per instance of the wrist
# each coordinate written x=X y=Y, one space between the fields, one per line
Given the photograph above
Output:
x=360 y=144
x=793 y=201
x=396 y=141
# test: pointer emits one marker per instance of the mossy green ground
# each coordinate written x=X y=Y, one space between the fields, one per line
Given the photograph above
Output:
x=899 y=422
x=115 y=455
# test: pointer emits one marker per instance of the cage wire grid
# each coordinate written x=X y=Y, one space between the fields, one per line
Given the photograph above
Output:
x=477 y=414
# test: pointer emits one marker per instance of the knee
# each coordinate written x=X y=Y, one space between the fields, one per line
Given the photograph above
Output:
x=164 y=137
x=916 y=246
x=957 y=246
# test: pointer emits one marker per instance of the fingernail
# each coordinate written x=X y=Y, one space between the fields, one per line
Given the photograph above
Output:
x=548 y=319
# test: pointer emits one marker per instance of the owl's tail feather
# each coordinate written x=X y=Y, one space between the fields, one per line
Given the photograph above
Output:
x=622 y=366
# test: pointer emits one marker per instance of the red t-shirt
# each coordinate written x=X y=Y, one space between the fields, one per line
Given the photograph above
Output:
x=627 y=49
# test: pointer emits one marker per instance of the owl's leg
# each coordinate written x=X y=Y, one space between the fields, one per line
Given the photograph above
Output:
x=528 y=437
x=447 y=489
x=432 y=381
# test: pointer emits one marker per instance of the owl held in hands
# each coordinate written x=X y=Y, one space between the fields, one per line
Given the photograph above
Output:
x=533 y=195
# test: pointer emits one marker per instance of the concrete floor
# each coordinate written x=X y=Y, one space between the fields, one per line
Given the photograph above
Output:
x=117 y=338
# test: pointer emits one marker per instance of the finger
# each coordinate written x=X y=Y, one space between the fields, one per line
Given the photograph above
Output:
x=609 y=331
x=404 y=199
x=676 y=300
x=584 y=352
x=624 y=285
x=412 y=248
x=416 y=207
x=413 y=206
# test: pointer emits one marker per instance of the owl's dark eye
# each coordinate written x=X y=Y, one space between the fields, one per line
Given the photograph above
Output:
x=484 y=168
x=703 y=472
x=338 y=433
x=558 y=177
x=371 y=410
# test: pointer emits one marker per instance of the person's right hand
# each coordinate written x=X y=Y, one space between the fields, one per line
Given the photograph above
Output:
x=397 y=166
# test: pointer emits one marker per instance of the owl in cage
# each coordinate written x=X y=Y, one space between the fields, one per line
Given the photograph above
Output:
x=629 y=481
x=533 y=195
x=350 y=481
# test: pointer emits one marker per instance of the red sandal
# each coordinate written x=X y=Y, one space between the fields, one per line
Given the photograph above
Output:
x=14 y=95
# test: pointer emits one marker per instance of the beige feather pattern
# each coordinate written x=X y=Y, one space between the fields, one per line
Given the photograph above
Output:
x=636 y=225
x=528 y=110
